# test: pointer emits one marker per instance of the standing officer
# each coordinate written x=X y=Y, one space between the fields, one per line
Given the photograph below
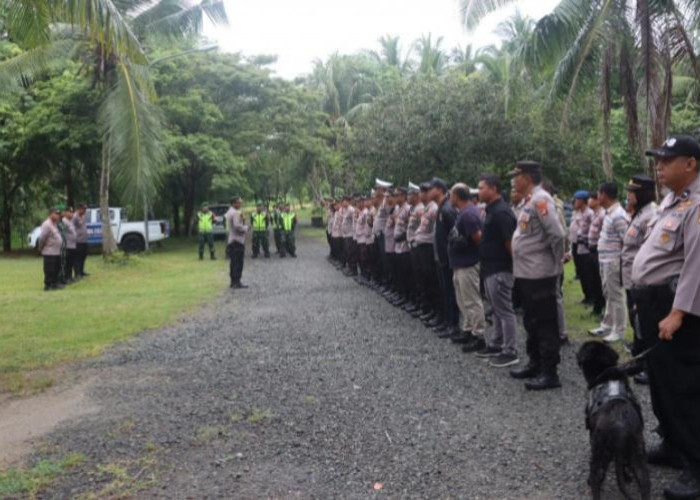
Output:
x=597 y=298
x=580 y=225
x=538 y=247
x=289 y=224
x=49 y=244
x=402 y=250
x=205 y=231
x=378 y=225
x=666 y=290
x=81 y=237
x=278 y=229
x=260 y=221
x=416 y=214
x=427 y=276
x=71 y=244
x=237 y=230
x=337 y=234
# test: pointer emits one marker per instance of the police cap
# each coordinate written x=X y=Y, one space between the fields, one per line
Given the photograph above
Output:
x=677 y=145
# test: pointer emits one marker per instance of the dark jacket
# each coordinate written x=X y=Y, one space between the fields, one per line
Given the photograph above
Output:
x=445 y=221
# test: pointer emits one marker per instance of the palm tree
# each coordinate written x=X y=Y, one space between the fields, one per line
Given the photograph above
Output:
x=390 y=54
x=605 y=41
x=107 y=36
x=465 y=59
x=432 y=59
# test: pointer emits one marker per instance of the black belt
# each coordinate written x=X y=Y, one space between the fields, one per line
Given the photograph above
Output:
x=670 y=284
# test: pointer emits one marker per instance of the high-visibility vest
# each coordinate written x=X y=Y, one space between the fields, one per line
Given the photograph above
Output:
x=287 y=220
x=259 y=220
x=205 y=222
x=277 y=219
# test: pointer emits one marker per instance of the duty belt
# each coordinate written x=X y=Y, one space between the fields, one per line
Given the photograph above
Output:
x=670 y=284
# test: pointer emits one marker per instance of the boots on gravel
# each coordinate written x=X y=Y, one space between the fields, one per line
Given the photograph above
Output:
x=664 y=455
x=529 y=371
x=686 y=487
x=548 y=379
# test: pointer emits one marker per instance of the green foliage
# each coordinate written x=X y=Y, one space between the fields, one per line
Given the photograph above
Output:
x=30 y=482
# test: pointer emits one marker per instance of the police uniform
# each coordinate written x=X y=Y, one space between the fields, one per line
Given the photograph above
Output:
x=378 y=226
x=537 y=263
x=580 y=252
x=49 y=244
x=71 y=249
x=361 y=241
x=666 y=277
x=81 y=238
x=237 y=230
x=348 y=230
x=404 y=275
x=631 y=243
x=597 y=297
x=260 y=222
x=205 y=232
x=289 y=224
x=337 y=235
x=415 y=215
x=426 y=276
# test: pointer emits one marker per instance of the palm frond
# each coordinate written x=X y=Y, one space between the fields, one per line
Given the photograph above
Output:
x=473 y=11
x=131 y=125
x=28 y=21
x=180 y=17
x=23 y=68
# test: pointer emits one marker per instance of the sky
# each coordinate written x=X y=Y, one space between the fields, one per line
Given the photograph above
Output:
x=300 y=31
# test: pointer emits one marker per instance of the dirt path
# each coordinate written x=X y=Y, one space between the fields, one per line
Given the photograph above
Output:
x=309 y=386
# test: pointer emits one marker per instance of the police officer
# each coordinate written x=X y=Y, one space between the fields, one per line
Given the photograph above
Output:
x=81 y=238
x=415 y=199
x=237 y=229
x=49 y=244
x=538 y=247
x=427 y=271
x=641 y=193
x=666 y=291
x=71 y=245
x=278 y=229
x=289 y=224
x=378 y=224
x=205 y=231
x=578 y=236
x=260 y=221
x=597 y=297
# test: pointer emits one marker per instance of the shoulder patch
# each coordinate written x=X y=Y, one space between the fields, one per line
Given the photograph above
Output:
x=542 y=207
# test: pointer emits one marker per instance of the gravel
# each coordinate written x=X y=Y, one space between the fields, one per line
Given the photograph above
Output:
x=307 y=385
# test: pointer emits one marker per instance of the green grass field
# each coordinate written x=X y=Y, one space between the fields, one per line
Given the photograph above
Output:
x=41 y=330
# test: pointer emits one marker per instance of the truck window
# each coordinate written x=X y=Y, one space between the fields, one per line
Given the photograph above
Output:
x=112 y=215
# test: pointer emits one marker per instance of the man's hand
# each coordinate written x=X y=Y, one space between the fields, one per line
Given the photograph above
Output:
x=670 y=324
x=567 y=257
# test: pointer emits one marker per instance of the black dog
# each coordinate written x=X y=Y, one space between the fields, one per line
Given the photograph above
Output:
x=614 y=420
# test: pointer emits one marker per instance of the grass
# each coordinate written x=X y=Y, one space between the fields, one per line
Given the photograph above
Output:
x=41 y=330
x=27 y=483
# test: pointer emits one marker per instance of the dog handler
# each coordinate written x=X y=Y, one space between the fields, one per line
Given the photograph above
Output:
x=666 y=289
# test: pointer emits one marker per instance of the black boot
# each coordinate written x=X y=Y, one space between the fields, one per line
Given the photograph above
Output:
x=665 y=455
x=529 y=371
x=212 y=256
x=463 y=338
x=548 y=379
x=475 y=345
x=201 y=256
x=686 y=487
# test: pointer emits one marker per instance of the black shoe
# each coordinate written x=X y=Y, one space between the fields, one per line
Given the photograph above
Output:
x=488 y=352
x=84 y=275
x=564 y=341
x=530 y=371
x=475 y=345
x=416 y=314
x=48 y=288
x=267 y=255
x=253 y=256
x=665 y=456
x=426 y=316
x=433 y=323
x=642 y=378
x=401 y=302
x=445 y=333
x=213 y=257
x=504 y=360
x=294 y=256
x=410 y=307
x=239 y=286
x=687 y=486
x=546 y=380
x=59 y=286
x=463 y=338
x=201 y=257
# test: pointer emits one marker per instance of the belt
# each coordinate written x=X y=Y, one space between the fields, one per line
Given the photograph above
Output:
x=670 y=284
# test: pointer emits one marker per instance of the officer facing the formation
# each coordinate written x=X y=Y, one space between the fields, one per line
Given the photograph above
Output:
x=71 y=244
x=237 y=229
x=538 y=260
x=666 y=291
x=289 y=224
x=260 y=221
x=50 y=244
x=205 y=231
x=378 y=224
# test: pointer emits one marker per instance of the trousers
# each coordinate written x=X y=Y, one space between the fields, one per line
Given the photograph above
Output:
x=81 y=250
x=539 y=301
x=466 y=288
x=499 y=291
x=207 y=238
x=52 y=268
x=615 y=319
x=236 y=252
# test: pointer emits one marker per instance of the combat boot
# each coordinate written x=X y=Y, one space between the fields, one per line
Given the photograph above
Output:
x=664 y=455
x=529 y=371
x=548 y=379
x=201 y=256
x=212 y=256
x=686 y=487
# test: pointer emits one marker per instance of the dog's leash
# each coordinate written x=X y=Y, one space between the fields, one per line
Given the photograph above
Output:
x=626 y=365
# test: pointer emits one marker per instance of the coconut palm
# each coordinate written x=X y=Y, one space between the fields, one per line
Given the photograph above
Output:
x=599 y=42
x=431 y=58
x=390 y=54
x=107 y=36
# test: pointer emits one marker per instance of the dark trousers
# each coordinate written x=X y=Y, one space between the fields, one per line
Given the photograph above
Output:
x=260 y=239
x=404 y=274
x=596 y=284
x=351 y=257
x=584 y=269
x=330 y=246
x=447 y=294
x=391 y=270
x=379 y=262
x=416 y=288
x=236 y=252
x=80 y=257
x=69 y=264
x=208 y=239
x=279 y=244
x=427 y=278
x=363 y=252
x=52 y=267
x=674 y=372
x=538 y=298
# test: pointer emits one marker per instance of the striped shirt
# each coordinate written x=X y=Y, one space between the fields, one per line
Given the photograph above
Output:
x=596 y=226
x=615 y=226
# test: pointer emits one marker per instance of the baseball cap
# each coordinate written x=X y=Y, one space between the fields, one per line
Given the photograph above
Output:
x=525 y=167
x=677 y=145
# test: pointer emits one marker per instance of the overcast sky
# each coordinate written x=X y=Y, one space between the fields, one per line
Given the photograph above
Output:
x=300 y=31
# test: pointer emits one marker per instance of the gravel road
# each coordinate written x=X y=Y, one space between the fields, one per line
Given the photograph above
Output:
x=307 y=385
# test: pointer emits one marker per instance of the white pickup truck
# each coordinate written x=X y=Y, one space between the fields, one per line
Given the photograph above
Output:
x=130 y=236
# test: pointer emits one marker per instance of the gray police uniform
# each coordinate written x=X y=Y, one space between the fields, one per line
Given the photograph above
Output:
x=665 y=276
x=538 y=252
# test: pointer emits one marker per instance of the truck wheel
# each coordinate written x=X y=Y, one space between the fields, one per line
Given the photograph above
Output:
x=133 y=243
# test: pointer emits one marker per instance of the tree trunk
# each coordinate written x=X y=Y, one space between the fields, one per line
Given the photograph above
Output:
x=70 y=185
x=109 y=245
x=6 y=223
x=176 y=219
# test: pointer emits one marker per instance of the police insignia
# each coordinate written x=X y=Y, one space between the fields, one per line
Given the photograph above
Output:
x=632 y=232
x=542 y=208
x=665 y=238
x=523 y=225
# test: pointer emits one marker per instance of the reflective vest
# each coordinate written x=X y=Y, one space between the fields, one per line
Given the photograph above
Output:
x=277 y=220
x=288 y=220
x=205 y=222
x=259 y=220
